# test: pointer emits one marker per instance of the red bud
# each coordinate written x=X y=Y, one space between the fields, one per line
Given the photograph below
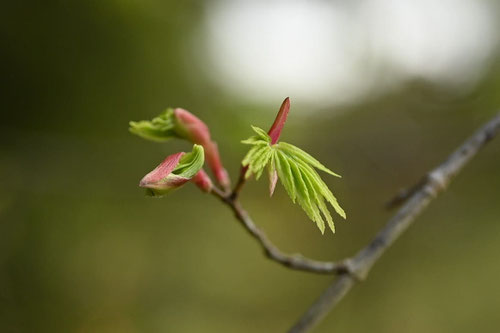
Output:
x=279 y=122
x=192 y=127
x=202 y=180
x=195 y=130
x=161 y=180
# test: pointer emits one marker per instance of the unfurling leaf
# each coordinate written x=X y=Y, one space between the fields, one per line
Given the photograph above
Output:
x=161 y=128
x=176 y=170
x=296 y=170
x=182 y=124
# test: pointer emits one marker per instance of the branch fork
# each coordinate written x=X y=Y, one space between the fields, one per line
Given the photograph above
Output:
x=177 y=169
x=356 y=269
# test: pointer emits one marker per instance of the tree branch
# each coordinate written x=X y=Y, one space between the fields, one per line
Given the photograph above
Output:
x=417 y=199
x=296 y=261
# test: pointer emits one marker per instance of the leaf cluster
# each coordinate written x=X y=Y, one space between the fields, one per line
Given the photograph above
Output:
x=160 y=128
x=296 y=170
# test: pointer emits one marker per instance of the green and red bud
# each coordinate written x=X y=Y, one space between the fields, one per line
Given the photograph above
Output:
x=274 y=134
x=180 y=123
x=195 y=130
x=176 y=170
x=190 y=127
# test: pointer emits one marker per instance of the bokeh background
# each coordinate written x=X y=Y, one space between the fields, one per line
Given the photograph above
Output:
x=381 y=92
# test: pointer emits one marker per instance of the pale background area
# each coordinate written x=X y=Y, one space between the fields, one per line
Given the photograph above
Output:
x=381 y=92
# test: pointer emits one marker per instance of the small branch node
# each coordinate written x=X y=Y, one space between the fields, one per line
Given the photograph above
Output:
x=437 y=181
x=348 y=267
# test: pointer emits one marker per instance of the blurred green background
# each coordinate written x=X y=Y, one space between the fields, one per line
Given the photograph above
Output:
x=83 y=250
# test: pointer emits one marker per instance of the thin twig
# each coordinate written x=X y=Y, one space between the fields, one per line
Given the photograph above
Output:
x=435 y=182
x=404 y=194
x=239 y=185
x=295 y=261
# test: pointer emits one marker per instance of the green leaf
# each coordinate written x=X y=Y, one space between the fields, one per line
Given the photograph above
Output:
x=259 y=155
x=261 y=134
x=296 y=170
x=285 y=175
x=249 y=157
x=314 y=198
x=261 y=162
x=160 y=129
x=254 y=140
x=299 y=154
x=190 y=163
x=272 y=174
x=305 y=186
